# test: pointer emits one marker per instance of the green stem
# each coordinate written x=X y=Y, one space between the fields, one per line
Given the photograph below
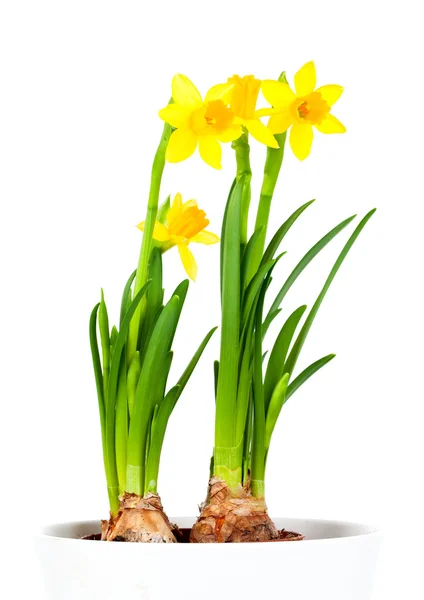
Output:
x=242 y=150
x=147 y=241
x=274 y=160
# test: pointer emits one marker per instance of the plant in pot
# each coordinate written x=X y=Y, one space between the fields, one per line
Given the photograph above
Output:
x=131 y=364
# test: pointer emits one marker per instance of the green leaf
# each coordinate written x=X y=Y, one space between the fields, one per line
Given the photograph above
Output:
x=297 y=347
x=216 y=374
x=183 y=380
x=269 y=319
x=279 y=352
x=247 y=255
x=158 y=431
x=309 y=256
x=133 y=376
x=126 y=297
x=97 y=368
x=105 y=341
x=254 y=288
x=279 y=236
x=277 y=401
x=121 y=428
x=307 y=373
x=154 y=297
x=113 y=338
x=149 y=392
x=224 y=225
x=226 y=397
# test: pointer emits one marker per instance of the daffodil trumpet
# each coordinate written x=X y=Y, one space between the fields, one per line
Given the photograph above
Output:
x=252 y=384
x=131 y=367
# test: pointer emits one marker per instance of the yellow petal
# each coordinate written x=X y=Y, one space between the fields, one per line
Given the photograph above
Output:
x=222 y=91
x=205 y=237
x=230 y=134
x=160 y=232
x=210 y=151
x=301 y=137
x=175 y=115
x=261 y=133
x=331 y=125
x=175 y=210
x=277 y=93
x=189 y=204
x=330 y=93
x=188 y=261
x=281 y=122
x=305 y=79
x=184 y=92
x=182 y=144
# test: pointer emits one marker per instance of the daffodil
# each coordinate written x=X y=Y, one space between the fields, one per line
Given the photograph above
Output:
x=243 y=98
x=184 y=223
x=199 y=123
x=302 y=110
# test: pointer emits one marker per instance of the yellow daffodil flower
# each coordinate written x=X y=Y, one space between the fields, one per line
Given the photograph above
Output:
x=185 y=223
x=243 y=98
x=307 y=108
x=197 y=122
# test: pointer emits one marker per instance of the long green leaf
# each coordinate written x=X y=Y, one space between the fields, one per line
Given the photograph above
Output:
x=279 y=352
x=105 y=341
x=281 y=233
x=183 y=380
x=126 y=296
x=306 y=374
x=154 y=295
x=97 y=369
x=157 y=436
x=121 y=427
x=278 y=399
x=150 y=392
x=304 y=262
x=254 y=287
x=226 y=397
x=297 y=347
x=247 y=256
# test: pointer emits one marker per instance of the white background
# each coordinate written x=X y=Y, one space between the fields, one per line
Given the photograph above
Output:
x=82 y=83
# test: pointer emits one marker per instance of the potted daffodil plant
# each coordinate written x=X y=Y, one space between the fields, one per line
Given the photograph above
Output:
x=233 y=546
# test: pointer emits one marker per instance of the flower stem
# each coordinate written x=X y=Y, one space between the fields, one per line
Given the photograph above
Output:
x=242 y=150
x=147 y=241
x=274 y=160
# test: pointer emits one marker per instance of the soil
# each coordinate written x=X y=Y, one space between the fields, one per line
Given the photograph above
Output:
x=183 y=536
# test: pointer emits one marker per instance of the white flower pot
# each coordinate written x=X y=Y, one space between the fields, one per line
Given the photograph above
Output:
x=336 y=561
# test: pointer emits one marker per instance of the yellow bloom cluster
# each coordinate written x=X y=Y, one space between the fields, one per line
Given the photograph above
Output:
x=229 y=108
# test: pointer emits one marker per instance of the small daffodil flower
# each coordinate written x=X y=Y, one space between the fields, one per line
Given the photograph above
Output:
x=243 y=98
x=302 y=110
x=199 y=123
x=184 y=223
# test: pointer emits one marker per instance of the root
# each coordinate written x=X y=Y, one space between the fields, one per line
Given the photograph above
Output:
x=139 y=520
x=226 y=518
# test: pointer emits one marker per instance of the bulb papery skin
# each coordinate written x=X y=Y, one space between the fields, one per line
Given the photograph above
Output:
x=139 y=520
x=228 y=518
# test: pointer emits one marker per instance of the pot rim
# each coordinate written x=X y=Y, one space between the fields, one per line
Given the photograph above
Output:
x=365 y=531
